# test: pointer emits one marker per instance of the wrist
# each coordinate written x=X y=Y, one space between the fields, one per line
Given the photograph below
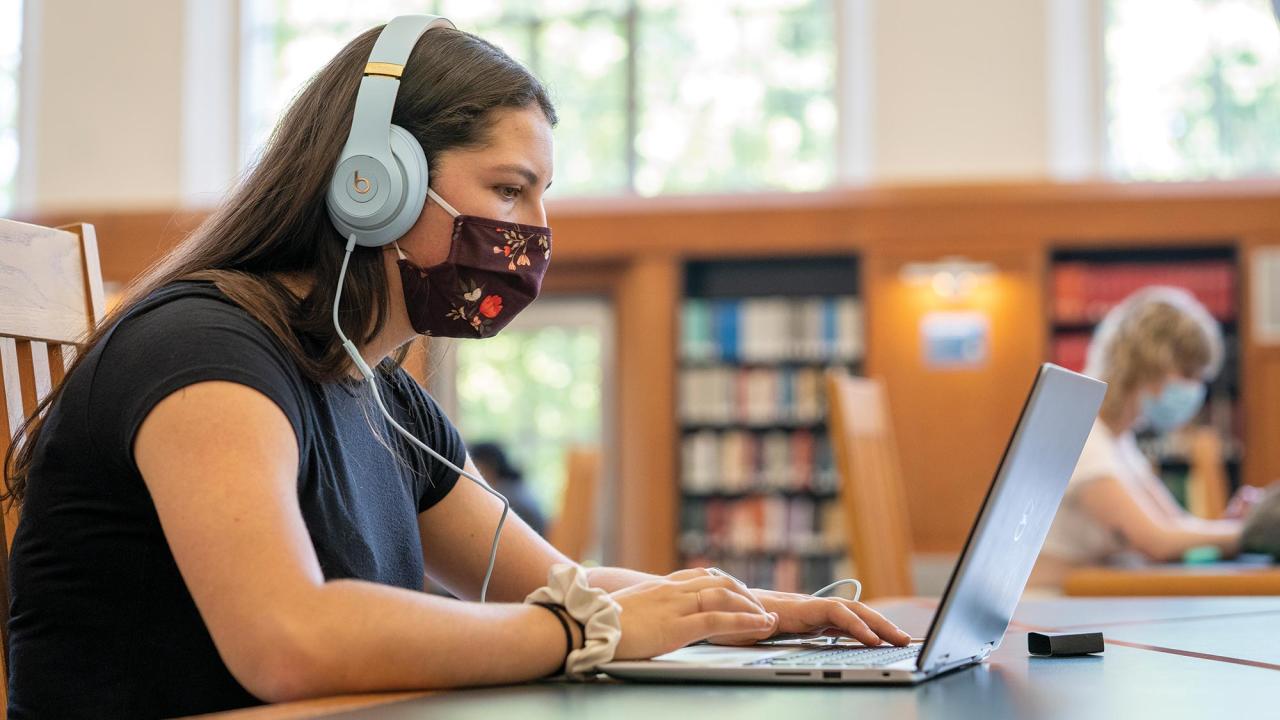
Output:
x=565 y=637
x=591 y=609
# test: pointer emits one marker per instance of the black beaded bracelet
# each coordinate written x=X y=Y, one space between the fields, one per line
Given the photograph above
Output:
x=568 y=634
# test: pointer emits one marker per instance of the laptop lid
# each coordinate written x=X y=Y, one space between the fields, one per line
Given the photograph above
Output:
x=1014 y=519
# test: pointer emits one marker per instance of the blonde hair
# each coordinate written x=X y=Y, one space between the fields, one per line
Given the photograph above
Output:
x=1153 y=332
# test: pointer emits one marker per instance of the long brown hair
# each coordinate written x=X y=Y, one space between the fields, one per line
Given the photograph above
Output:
x=274 y=223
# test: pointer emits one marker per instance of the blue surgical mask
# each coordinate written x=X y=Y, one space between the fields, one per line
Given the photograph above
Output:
x=1174 y=407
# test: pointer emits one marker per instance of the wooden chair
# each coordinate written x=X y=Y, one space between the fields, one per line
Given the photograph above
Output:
x=1207 y=486
x=871 y=492
x=574 y=528
x=50 y=298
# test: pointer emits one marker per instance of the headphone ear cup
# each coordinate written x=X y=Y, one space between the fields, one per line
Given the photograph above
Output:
x=400 y=209
x=412 y=163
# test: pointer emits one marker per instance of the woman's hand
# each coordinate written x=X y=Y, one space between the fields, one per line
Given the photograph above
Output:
x=684 y=607
x=1243 y=501
x=806 y=614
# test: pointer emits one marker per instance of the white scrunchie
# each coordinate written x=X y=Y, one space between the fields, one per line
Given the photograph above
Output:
x=598 y=613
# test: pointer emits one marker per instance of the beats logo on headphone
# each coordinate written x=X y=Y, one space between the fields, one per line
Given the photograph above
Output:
x=362 y=185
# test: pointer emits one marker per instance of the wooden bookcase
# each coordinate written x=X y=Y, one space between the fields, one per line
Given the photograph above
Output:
x=757 y=476
x=951 y=426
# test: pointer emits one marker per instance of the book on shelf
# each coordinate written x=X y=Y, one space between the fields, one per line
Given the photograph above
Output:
x=786 y=543
x=1071 y=349
x=757 y=479
x=742 y=462
x=772 y=329
x=761 y=524
x=751 y=396
x=788 y=573
x=1083 y=290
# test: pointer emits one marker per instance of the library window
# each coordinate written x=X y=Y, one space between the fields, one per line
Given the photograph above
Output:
x=1192 y=89
x=538 y=389
x=649 y=100
x=10 y=56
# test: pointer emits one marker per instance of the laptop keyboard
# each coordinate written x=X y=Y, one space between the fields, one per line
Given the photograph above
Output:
x=843 y=657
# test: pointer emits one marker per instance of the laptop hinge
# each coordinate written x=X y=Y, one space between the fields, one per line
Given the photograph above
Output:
x=944 y=667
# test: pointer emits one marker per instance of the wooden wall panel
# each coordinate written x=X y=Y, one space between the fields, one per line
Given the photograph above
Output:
x=953 y=424
x=645 y=525
x=1260 y=366
x=1263 y=449
x=129 y=242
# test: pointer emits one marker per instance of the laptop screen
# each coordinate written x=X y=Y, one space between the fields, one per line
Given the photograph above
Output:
x=1014 y=518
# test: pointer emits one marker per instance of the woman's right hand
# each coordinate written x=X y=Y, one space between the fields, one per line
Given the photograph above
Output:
x=666 y=614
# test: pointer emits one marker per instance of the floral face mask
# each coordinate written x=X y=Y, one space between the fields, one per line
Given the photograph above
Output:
x=494 y=270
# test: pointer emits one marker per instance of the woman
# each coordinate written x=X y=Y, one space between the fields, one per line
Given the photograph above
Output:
x=1157 y=349
x=213 y=512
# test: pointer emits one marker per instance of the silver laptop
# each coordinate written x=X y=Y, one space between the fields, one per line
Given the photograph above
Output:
x=984 y=588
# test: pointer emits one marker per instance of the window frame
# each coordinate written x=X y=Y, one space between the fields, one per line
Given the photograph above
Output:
x=27 y=80
x=1091 y=50
x=851 y=93
x=574 y=311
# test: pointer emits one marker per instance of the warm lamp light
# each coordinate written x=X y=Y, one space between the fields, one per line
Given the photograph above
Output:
x=953 y=277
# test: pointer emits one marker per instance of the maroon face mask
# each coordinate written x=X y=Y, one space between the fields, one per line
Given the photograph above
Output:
x=494 y=270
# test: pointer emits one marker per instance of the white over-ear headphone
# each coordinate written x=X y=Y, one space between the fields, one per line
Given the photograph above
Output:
x=380 y=181
x=376 y=194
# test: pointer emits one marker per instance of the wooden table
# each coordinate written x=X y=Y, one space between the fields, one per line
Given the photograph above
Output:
x=1181 y=580
x=1165 y=658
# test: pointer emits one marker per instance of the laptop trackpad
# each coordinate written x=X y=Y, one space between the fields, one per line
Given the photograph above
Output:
x=721 y=654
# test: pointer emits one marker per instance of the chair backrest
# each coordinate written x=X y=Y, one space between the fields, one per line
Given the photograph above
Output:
x=573 y=530
x=50 y=298
x=1207 y=486
x=871 y=491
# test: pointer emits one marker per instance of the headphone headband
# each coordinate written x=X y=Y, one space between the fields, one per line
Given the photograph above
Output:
x=381 y=82
x=380 y=180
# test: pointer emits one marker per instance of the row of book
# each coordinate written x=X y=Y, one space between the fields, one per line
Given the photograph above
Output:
x=1084 y=291
x=741 y=461
x=787 y=573
x=797 y=525
x=1071 y=349
x=772 y=329
x=756 y=396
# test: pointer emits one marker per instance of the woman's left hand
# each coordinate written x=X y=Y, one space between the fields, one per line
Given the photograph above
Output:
x=1243 y=501
x=823 y=616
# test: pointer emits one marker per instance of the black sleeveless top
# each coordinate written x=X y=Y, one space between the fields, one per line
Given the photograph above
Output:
x=101 y=623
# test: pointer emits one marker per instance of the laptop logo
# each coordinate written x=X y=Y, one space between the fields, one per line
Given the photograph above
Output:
x=1022 y=524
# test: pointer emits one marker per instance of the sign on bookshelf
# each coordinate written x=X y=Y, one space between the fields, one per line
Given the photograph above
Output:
x=955 y=340
x=1266 y=295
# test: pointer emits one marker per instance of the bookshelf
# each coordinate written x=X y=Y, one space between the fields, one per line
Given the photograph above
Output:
x=636 y=250
x=1085 y=284
x=757 y=480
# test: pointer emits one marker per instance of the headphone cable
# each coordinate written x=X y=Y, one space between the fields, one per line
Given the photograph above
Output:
x=363 y=367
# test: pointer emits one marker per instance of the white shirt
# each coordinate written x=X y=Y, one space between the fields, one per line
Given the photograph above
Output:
x=1076 y=536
